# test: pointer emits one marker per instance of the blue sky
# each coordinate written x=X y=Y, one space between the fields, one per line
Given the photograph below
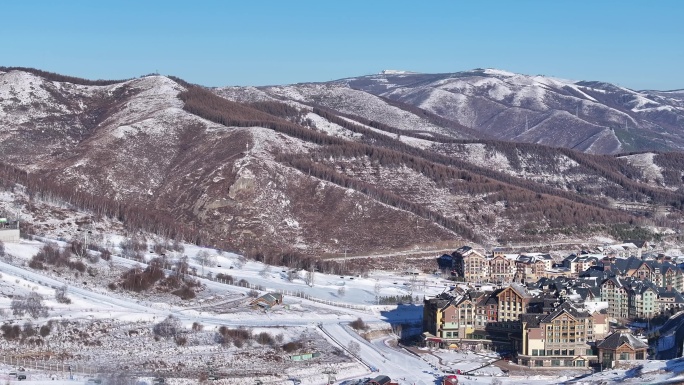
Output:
x=636 y=44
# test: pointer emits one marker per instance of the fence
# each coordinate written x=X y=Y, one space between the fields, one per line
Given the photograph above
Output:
x=48 y=365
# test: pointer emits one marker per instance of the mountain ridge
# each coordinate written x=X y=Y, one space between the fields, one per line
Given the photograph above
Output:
x=257 y=170
x=502 y=104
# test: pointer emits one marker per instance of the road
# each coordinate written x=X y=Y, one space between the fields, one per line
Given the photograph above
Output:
x=394 y=362
x=401 y=366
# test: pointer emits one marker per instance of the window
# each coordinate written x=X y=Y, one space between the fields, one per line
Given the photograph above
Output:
x=535 y=352
x=549 y=352
x=624 y=356
x=571 y=352
x=555 y=362
x=541 y=352
x=538 y=363
x=589 y=352
x=640 y=355
x=579 y=363
x=556 y=352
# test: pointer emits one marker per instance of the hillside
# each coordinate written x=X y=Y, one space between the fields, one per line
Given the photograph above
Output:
x=589 y=116
x=275 y=170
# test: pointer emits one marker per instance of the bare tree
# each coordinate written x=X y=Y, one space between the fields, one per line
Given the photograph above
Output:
x=31 y=304
x=240 y=263
x=61 y=294
x=310 y=277
x=292 y=275
x=205 y=258
x=169 y=327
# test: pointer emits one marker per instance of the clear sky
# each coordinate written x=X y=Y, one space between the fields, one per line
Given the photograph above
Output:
x=637 y=44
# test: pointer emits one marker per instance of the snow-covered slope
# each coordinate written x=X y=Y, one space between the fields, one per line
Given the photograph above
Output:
x=592 y=117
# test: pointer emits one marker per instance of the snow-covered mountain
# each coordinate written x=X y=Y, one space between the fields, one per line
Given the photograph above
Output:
x=593 y=117
x=349 y=165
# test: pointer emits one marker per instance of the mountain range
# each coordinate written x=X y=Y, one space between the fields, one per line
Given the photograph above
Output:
x=356 y=165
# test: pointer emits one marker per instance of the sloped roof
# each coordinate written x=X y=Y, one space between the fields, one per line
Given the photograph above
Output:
x=636 y=242
x=521 y=290
x=565 y=307
x=664 y=293
x=617 y=339
x=531 y=320
x=625 y=264
x=382 y=380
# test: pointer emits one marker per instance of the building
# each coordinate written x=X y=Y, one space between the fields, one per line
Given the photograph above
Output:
x=268 y=300
x=379 y=380
x=579 y=263
x=501 y=269
x=530 y=268
x=513 y=302
x=487 y=309
x=643 y=297
x=623 y=250
x=470 y=265
x=432 y=315
x=620 y=346
x=614 y=292
x=458 y=316
x=669 y=300
x=560 y=339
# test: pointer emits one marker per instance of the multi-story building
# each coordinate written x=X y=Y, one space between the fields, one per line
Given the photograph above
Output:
x=512 y=302
x=501 y=269
x=662 y=274
x=471 y=265
x=615 y=293
x=452 y=318
x=530 y=268
x=560 y=339
x=643 y=297
x=582 y=262
x=620 y=346
x=487 y=309
x=433 y=317
x=669 y=300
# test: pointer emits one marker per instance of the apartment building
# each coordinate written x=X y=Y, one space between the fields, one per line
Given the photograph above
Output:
x=512 y=302
x=561 y=338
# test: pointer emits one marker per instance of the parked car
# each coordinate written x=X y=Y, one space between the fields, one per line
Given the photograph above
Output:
x=21 y=377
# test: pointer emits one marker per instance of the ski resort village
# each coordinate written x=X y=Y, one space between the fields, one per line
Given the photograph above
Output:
x=103 y=307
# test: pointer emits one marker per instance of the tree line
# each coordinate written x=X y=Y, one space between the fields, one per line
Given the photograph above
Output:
x=55 y=77
x=560 y=208
x=135 y=216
